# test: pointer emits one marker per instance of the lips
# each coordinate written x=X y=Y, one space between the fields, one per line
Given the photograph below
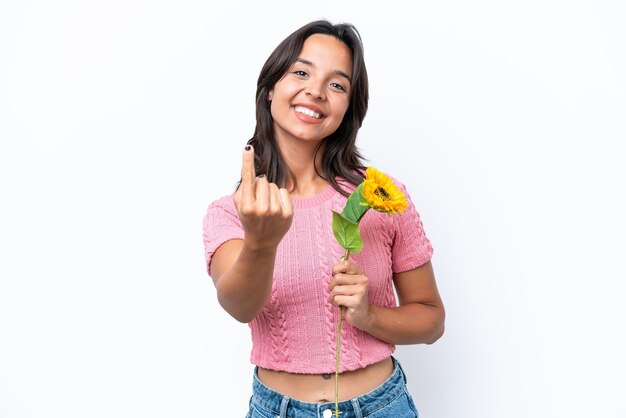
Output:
x=317 y=114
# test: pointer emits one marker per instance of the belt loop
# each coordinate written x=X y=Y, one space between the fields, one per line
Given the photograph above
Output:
x=357 y=408
x=283 y=406
x=401 y=369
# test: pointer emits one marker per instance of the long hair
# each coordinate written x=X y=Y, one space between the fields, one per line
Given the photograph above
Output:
x=340 y=157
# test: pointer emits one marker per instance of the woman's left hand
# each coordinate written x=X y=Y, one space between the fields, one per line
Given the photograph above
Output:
x=349 y=288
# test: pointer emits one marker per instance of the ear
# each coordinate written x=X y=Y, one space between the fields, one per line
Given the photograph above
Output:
x=270 y=95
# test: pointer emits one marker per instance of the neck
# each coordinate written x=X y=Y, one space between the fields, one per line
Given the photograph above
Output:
x=302 y=161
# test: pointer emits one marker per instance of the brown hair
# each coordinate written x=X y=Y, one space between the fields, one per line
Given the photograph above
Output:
x=340 y=157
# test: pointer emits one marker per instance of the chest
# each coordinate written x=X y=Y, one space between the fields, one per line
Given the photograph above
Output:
x=308 y=252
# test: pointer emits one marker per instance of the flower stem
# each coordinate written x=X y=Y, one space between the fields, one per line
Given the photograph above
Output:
x=338 y=352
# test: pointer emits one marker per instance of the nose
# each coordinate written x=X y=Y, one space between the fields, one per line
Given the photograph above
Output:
x=316 y=90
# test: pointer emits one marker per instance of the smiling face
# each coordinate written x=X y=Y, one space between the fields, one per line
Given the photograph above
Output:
x=308 y=103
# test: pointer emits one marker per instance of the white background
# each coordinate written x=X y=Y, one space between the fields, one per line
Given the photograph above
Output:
x=120 y=121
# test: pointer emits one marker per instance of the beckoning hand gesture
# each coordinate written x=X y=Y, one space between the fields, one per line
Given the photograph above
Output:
x=264 y=209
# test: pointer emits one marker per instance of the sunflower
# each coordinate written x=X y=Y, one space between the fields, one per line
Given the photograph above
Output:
x=381 y=194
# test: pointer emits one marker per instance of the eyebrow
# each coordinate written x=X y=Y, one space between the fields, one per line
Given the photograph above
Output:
x=338 y=72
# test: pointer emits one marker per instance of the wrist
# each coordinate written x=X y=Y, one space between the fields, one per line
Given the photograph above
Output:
x=367 y=321
x=259 y=247
x=371 y=318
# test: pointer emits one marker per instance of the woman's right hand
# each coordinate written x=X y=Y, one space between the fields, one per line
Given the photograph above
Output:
x=264 y=209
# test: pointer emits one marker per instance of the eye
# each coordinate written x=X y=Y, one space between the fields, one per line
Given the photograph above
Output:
x=300 y=73
x=338 y=86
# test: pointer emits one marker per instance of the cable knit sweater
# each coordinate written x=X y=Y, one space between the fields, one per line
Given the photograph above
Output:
x=296 y=331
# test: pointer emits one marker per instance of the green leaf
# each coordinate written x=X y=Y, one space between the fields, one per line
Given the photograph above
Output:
x=347 y=233
x=356 y=206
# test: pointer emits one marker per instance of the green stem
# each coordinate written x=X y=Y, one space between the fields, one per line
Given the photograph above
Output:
x=345 y=257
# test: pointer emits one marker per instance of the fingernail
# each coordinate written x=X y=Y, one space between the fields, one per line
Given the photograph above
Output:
x=248 y=148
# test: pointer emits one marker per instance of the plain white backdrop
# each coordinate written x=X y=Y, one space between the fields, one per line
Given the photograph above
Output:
x=120 y=121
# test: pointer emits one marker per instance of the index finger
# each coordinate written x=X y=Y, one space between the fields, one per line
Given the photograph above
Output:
x=248 y=174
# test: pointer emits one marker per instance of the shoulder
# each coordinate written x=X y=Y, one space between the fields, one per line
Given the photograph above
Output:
x=346 y=184
x=226 y=202
x=224 y=207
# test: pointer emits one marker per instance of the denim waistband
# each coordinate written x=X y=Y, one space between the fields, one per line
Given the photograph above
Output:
x=284 y=406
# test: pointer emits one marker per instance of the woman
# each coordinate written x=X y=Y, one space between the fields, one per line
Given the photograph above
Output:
x=275 y=263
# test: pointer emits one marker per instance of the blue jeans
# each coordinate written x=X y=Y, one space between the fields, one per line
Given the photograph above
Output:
x=389 y=400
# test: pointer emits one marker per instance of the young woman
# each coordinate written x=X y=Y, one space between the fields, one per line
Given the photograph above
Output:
x=274 y=260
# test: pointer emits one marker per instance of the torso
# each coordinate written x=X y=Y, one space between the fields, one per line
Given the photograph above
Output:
x=315 y=388
x=296 y=331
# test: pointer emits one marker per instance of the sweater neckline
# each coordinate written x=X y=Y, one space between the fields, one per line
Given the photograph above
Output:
x=315 y=200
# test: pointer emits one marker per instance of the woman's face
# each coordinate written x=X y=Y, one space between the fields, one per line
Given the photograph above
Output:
x=309 y=102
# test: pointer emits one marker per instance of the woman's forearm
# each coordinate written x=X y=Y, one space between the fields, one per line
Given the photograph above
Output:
x=245 y=288
x=412 y=323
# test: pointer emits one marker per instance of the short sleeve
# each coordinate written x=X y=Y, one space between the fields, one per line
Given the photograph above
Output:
x=411 y=247
x=221 y=224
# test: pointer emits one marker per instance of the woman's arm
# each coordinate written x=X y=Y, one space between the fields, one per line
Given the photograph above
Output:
x=242 y=269
x=242 y=278
x=419 y=318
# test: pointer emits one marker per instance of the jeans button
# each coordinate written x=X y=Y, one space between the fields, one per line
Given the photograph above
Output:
x=327 y=413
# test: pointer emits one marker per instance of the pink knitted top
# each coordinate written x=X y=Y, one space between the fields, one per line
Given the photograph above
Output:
x=296 y=331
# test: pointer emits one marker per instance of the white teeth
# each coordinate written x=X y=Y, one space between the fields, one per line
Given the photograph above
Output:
x=308 y=112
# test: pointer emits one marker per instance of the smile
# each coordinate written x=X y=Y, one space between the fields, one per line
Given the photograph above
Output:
x=307 y=112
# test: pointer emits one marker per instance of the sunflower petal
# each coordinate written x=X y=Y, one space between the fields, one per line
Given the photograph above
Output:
x=381 y=194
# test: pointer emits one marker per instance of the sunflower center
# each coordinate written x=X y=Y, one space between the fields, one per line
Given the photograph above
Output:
x=382 y=193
